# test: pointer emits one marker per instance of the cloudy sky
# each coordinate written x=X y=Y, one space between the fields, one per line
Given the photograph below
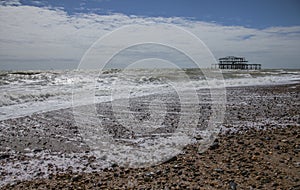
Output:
x=56 y=34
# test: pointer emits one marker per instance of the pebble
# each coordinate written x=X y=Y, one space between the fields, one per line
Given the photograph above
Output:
x=4 y=156
x=219 y=170
x=232 y=185
x=277 y=147
x=214 y=146
x=114 y=165
x=76 y=178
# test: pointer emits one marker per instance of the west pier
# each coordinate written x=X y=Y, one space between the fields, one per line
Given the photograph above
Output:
x=232 y=62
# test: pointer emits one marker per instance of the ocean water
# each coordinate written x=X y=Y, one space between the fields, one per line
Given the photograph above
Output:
x=26 y=92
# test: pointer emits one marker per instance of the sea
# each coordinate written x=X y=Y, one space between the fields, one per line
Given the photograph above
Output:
x=24 y=93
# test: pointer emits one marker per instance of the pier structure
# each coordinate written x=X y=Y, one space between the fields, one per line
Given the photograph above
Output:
x=232 y=62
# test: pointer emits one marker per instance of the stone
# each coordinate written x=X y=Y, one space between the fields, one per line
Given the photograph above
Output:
x=232 y=185
x=277 y=147
x=214 y=145
x=76 y=178
x=4 y=156
x=37 y=150
x=171 y=159
x=219 y=170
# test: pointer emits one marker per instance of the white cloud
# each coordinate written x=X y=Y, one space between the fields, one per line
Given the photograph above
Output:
x=10 y=2
x=33 y=37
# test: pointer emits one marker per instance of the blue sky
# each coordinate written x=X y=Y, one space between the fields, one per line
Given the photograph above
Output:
x=55 y=34
x=249 y=13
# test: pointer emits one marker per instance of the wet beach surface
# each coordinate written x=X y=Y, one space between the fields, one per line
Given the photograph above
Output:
x=258 y=147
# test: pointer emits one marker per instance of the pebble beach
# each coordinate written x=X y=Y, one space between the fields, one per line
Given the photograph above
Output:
x=257 y=148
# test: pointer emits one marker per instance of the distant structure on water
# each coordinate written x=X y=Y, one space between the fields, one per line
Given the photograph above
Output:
x=232 y=62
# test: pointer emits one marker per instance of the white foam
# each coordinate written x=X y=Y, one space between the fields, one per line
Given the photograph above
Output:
x=48 y=91
x=42 y=164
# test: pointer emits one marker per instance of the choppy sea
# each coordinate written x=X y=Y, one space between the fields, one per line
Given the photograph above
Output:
x=26 y=92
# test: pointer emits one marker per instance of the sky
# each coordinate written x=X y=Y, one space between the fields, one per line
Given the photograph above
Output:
x=56 y=34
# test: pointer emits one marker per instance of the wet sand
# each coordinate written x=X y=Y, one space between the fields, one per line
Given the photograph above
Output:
x=258 y=148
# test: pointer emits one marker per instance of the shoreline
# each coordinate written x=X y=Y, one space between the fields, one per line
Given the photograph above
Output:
x=264 y=107
x=240 y=161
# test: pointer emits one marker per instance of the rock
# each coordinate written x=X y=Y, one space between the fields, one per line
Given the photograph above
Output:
x=297 y=164
x=265 y=180
x=245 y=173
x=99 y=184
x=297 y=150
x=4 y=156
x=296 y=187
x=149 y=174
x=219 y=170
x=147 y=179
x=214 y=145
x=277 y=147
x=91 y=159
x=76 y=178
x=37 y=150
x=171 y=159
x=232 y=185
x=179 y=172
x=198 y=137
